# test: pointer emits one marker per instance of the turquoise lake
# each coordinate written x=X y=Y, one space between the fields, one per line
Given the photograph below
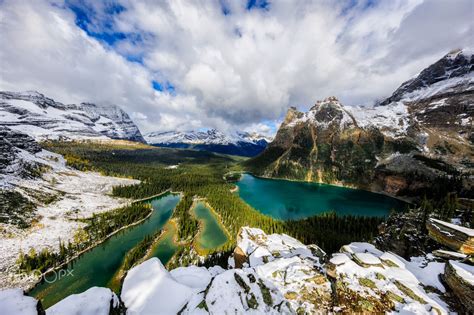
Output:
x=212 y=235
x=97 y=266
x=286 y=200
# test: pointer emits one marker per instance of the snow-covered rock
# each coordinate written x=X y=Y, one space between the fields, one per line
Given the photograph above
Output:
x=281 y=276
x=289 y=282
x=369 y=280
x=460 y=278
x=454 y=236
x=14 y=302
x=43 y=118
x=149 y=289
x=94 y=301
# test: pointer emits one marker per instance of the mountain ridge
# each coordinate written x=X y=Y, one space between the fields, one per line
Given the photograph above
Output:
x=424 y=133
x=45 y=119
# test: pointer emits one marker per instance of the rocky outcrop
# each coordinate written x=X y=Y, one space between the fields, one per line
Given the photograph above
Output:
x=43 y=118
x=368 y=280
x=416 y=142
x=460 y=278
x=278 y=274
x=453 y=236
x=401 y=234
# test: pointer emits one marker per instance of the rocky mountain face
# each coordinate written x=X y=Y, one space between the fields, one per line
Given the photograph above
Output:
x=43 y=118
x=239 y=143
x=420 y=136
x=277 y=274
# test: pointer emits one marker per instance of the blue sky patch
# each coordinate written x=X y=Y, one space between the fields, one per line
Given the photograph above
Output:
x=162 y=87
x=258 y=4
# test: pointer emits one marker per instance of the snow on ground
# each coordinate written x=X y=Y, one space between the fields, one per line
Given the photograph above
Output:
x=14 y=302
x=95 y=301
x=80 y=195
x=427 y=271
x=289 y=281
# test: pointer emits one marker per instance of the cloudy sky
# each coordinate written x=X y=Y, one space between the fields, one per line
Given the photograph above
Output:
x=228 y=64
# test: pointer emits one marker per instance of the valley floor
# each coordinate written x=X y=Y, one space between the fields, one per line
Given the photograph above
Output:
x=77 y=195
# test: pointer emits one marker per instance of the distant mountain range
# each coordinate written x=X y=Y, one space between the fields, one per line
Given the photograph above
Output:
x=238 y=143
x=418 y=139
x=43 y=118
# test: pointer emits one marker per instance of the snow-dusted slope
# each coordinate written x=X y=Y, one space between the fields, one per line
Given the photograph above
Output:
x=51 y=193
x=43 y=118
x=238 y=143
x=440 y=95
x=276 y=274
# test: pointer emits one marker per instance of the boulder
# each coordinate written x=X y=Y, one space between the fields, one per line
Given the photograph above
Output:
x=460 y=278
x=453 y=236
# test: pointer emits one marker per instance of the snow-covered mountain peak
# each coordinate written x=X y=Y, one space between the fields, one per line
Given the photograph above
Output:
x=43 y=118
x=454 y=70
x=328 y=111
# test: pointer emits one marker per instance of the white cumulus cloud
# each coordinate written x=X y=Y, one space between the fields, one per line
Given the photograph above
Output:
x=239 y=70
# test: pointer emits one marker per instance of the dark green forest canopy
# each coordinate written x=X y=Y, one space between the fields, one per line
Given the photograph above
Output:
x=202 y=174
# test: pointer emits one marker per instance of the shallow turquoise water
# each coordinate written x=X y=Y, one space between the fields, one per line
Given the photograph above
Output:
x=166 y=246
x=98 y=266
x=212 y=235
x=287 y=200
